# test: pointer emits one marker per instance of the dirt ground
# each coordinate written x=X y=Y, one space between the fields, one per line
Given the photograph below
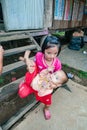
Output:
x=11 y=105
x=78 y=76
x=14 y=103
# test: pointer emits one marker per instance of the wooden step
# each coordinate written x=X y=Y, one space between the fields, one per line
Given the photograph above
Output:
x=9 y=89
x=17 y=35
x=13 y=37
x=13 y=66
x=7 y=93
x=19 y=50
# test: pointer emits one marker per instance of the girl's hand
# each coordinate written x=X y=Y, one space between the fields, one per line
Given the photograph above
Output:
x=50 y=69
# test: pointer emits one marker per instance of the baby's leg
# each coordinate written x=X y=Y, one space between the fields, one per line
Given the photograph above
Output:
x=26 y=56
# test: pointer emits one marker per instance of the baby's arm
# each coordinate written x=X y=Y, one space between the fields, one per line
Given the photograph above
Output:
x=30 y=63
x=1 y=58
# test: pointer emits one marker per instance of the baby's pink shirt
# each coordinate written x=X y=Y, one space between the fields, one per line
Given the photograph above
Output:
x=40 y=61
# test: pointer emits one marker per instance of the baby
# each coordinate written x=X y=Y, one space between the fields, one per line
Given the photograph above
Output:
x=45 y=81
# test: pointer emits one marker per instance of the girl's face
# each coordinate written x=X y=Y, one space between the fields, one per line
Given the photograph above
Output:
x=51 y=53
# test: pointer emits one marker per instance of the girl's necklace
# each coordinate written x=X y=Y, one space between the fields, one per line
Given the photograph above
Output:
x=47 y=63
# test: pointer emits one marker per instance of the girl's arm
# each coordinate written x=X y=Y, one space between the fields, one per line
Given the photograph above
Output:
x=1 y=58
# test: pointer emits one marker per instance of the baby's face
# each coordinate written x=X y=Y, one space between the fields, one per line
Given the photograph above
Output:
x=55 y=77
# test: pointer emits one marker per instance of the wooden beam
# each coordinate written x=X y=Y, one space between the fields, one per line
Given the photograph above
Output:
x=13 y=37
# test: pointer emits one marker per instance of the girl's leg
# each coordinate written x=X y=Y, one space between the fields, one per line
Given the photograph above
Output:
x=47 y=100
x=47 y=107
x=47 y=113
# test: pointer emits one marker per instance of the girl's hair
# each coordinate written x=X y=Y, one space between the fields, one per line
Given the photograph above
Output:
x=51 y=41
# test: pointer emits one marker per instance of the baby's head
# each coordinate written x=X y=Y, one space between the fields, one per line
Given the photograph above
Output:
x=59 y=77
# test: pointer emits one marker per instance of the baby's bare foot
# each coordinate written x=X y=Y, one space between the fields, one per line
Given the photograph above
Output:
x=21 y=58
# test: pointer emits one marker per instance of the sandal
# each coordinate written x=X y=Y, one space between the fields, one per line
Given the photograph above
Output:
x=47 y=114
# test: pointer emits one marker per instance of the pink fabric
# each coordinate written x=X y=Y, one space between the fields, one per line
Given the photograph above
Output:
x=39 y=59
x=24 y=90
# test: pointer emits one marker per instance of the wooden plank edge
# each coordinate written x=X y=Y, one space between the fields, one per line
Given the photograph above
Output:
x=19 y=50
x=19 y=115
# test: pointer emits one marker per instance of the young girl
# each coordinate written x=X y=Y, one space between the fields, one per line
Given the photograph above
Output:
x=1 y=58
x=45 y=59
